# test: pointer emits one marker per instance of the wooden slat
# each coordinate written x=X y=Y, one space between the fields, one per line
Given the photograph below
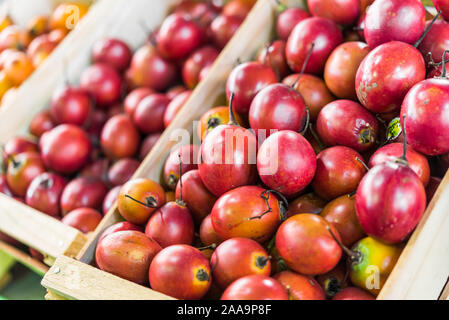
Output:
x=38 y=230
x=445 y=294
x=73 y=280
x=23 y=258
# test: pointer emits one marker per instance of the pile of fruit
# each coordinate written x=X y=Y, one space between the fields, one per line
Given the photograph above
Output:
x=22 y=50
x=309 y=183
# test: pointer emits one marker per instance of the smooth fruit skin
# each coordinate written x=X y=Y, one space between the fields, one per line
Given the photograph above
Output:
x=341 y=68
x=288 y=19
x=65 y=149
x=273 y=55
x=341 y=213
x=110 y=199
x=335 y=280
x=83 y=192
x=181 y=272
x=71 y=105
x=386 y=75
x=171 y=224
x=142 y=190
x=21 y=171
x=442 y=5
x=127 y=254
x=175 y=106
x=390 y=201
x=255 y=287
x=120 y=226
x=208 y=236
x=236 y=258
x=84 y=219
x=338 y=172
x=147 y=144
x=119 y=137
x=121 y=171
x=307 y=203
x=232 y=213
x=41 y=123
x=113 y=52
x=277 y=107
x=300 y=287
x=394 y=20
x=103 y=82
x=178 y=36
x=326 y=36
x=198 y=198
x=189 y=156
x=286 y=162
x=245 y=81
x=44 y=192
x=390 y=152
x=436 y=41
x=343 y=12
x=426 y=109
x=97 y=169
x=149 y=114
x=17 y=145
x=313 y=90
x=378 y=260
x=149 y=69
x=223 y=28
x=133 y=99
x=306 y=245
x=353 y=293
x=213 y=118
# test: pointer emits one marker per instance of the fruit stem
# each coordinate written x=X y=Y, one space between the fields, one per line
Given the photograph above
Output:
x=13 y=161
x=316 y=137
x=304 y=65
x=349 y=252
x=232 y=120
x=179 y=201
x=151 y=202
x=443 y=61
x=363 y=163
x=403 y=158
x=427 y=30
x=306 y=125
x=213 y=246
x=283 y=205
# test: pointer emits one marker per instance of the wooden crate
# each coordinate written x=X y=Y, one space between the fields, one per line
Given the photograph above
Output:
x=420 y=273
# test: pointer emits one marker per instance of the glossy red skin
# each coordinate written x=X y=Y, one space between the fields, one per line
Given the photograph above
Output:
x=84 y=219
x=174 y=106
x=442 y=5
x=390 y=201
x=390 y=152
x=238 y=8
x=178 y=36
x=353 y=293
x=288 y=19
x=277 y=107
x=174 y=272
x=436 y=41
x=17 y=145
x=41 y=123
x=338 y=172
x=198 y=198
x=236 y=258
x=223 y=29
x=97 y=121
x=28 y=166
x=120 y=226
x=341 y=68
x=255 y=287
x=174 y=91
x=149 y=114
x=342 y=12
x=245 y=81
x=432 y=187
x=308 y=203
x=427 y=110
x=306 y=245
x=133 y=99
x=83 y=193
x=345 y=122
x=110 y=199
x=394 y=20
x=71 y=105
x=323 y=32
x=148 y=144
x=121 y=171
x=120 y=138
x=149 y=69
x=273 y=55
x=300 y=287
x=340 y=212
x=228 y=169
x=286 y=162
x=97 y=169
x=232 y=212
x=171 y=224
x=4 y=188
x=103 y=82
x=189 y=155
x=113 y=52
x=140 y=189
x=208 y=235
x=127 y=254
x=198 y=60
x=313 y=90
x=381 y=86
x=44 y=192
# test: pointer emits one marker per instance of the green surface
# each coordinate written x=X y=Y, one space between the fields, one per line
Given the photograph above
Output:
x=25 y=285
